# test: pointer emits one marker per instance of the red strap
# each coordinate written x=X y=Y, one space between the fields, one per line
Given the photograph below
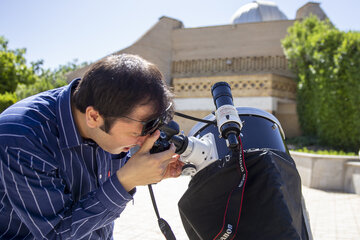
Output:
x=233 y=207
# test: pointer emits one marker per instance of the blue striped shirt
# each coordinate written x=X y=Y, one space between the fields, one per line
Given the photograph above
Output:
x=53 y=183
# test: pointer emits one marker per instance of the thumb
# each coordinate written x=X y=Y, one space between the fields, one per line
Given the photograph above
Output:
x=149 y=142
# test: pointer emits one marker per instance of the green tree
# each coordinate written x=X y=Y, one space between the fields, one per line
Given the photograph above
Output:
x=7 y=99
x=13 y=68
x=48 y=79
x=326 y=62
x=18 y=80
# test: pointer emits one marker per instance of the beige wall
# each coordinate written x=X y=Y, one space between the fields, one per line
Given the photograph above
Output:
x=288 y=118
x=282 y=91
x=186 y=124
x=249 y=39
x=155 y=46
x=286 y=114
x=311 y=8
x=253 y=85
x=167 y=42
x=257 y=67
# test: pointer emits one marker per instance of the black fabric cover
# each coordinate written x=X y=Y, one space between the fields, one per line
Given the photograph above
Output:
x=271 y=207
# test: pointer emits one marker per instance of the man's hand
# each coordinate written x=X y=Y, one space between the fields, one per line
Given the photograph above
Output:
x=144 y=168
x=174 y=168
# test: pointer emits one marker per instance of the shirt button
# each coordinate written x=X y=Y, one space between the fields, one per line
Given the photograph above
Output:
x=100 y=176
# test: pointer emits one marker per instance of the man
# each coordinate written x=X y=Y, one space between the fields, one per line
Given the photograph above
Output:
x=65 y=167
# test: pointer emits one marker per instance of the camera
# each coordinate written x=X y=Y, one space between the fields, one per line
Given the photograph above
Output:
x=168 y=134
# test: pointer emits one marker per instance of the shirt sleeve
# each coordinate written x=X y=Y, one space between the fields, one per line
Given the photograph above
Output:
x=41 y=199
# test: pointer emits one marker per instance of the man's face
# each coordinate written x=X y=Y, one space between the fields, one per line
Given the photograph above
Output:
x=125 y=133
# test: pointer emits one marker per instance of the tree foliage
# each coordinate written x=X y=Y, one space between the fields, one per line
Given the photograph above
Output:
x=7 y=99
x=18 y=80
x=47 y=79
x=327 y=64
x=13 y=68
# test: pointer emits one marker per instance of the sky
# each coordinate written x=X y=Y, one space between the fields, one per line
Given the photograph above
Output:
x=60 y=31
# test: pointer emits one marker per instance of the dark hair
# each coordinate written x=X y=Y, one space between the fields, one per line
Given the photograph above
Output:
x=115 y=85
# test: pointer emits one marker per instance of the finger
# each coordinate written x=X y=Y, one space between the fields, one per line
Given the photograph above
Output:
x=167 y=155
x=178 y=169
x=149 y=142
x=171 y=164
x=173 y=170
x=176 y=157
x=176 y=172
x=165 y=164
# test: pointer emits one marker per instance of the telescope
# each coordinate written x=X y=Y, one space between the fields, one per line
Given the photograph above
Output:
x=244 y=183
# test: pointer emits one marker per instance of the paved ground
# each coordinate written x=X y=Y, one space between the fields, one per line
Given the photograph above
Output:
x=333 y=216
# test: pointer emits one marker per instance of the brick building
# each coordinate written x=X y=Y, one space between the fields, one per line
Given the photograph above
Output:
x=246 y=53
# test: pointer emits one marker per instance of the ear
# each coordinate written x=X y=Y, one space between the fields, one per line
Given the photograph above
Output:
x=93 y=118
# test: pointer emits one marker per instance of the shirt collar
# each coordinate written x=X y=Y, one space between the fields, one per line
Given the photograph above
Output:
x=69 y=134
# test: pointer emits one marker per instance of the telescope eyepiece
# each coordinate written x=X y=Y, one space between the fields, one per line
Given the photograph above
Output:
x=227 y=118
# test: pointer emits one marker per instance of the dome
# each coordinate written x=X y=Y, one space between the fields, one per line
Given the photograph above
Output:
x=258 y=11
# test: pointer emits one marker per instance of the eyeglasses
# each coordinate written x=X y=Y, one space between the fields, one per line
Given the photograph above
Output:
x=151 y=125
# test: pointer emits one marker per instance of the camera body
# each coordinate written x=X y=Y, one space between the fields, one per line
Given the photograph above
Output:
x=168 y=134
x=162 y=144
x=195 y=153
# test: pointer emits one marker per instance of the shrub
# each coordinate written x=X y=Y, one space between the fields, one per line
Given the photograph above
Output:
x=326 y=62
x=13 y=68
x=326 y=152
x=6 y=100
